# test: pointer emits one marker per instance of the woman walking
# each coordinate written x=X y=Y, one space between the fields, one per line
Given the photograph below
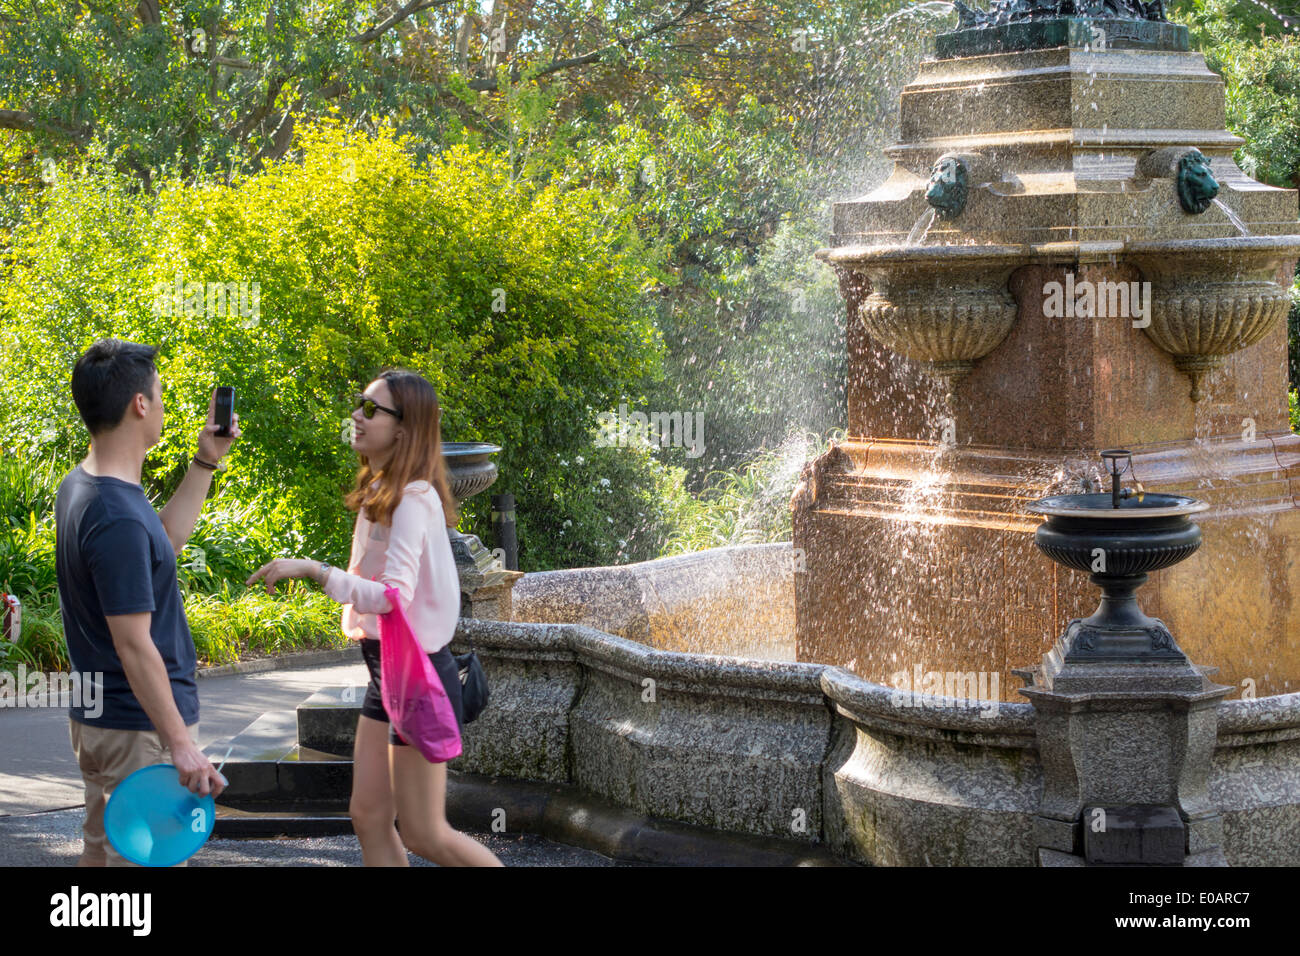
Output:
x=404 y=506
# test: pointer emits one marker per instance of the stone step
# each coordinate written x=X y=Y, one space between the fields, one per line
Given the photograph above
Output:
x=327 y=720
x=557 y=812
x=232 y=823
x=268 y=769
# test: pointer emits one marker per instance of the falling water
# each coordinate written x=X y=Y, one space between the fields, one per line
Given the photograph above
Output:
x=1242 y=229
x=922 y=228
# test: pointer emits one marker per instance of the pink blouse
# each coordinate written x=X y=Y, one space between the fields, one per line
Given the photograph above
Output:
x=414 y=556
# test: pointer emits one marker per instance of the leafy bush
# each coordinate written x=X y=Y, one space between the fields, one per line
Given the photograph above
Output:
x=750 y=505
x=1258 y=56
x=521 y=304
x=27 y=561
x=27 y=490
x=615 y=500
x=41 y=646
x=229 y=627
x=232 y=539
x=1293 y=334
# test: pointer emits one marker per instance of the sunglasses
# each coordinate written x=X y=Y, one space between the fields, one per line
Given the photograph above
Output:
x=370 y=406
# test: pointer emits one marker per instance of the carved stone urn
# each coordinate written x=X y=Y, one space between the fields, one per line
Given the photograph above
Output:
x=1213 y=297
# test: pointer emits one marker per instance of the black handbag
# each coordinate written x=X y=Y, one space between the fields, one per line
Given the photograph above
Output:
x=474 y=691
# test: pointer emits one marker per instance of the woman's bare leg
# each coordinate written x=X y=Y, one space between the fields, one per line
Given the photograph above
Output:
x=420 y=791
x=372 y=806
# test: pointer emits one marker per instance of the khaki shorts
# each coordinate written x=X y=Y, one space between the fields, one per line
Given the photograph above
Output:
x=106 y=758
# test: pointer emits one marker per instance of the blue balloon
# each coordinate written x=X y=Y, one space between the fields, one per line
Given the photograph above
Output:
x=152 y=819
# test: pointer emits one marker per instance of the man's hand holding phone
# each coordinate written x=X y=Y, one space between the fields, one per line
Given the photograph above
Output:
x=213 y=444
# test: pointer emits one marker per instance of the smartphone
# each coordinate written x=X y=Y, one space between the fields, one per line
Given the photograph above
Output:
x=225 y=410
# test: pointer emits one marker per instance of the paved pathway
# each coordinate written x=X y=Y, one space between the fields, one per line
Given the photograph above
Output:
x=38 y=771
x=41 y=796
x=54 y=839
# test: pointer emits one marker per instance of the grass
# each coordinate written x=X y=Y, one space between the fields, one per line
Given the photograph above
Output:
x=253 y=624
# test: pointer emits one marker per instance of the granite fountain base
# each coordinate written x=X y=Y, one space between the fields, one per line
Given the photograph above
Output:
x=699 y=754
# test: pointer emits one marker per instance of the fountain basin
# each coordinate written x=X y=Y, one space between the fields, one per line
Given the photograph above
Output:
x=816 y=753
x=1138 y=537
x=943 y=306
x=1213 y=297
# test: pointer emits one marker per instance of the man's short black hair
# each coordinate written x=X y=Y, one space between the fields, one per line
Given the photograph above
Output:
x=107 y=377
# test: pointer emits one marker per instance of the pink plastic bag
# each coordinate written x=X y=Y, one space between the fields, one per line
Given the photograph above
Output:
x=414 y=697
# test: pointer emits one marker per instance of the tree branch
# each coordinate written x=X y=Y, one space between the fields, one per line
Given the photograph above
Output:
x=555 y=66
x=401 y=14
x=25 y=121
x=250 y=122
x=147 y=10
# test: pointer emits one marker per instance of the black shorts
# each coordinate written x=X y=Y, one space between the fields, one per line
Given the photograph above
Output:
x=372 y=705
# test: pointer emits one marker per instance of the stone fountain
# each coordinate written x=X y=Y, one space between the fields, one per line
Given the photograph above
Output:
x=1044 y=152
x=1066 y=258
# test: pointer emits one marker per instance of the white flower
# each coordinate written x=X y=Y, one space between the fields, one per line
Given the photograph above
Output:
x=564 y=463
x=580 y=460
x=604 y=482
x=609 y=519
x=567 y=523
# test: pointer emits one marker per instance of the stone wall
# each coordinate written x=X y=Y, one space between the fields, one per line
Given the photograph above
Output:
x=815 y=753
x=737 y=600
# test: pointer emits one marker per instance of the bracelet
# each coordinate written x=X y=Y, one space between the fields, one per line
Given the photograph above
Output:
x=204 y=464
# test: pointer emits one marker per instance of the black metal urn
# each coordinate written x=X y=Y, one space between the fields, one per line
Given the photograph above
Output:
x=470 y=471
x=1118 y=538
x=470 y=468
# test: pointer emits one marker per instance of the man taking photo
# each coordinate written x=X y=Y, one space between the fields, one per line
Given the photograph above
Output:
x=118 y=591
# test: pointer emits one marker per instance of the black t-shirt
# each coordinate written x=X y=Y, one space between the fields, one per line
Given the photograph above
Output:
x=114 y=557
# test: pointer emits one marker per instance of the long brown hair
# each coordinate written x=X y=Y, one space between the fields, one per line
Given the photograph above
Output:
x=417 y=455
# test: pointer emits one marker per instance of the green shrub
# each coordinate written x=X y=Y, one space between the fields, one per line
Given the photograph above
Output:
x=41 y=646
x=523 y=306
x=749 y=505
x=27 y=571
x=1293 y=335
x=233 y=538
x=239 y=624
